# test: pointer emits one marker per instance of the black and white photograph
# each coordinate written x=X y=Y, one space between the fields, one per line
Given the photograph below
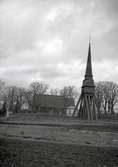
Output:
x=58 y=83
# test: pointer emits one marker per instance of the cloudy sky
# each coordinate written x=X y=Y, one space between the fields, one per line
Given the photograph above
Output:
x=48 y=40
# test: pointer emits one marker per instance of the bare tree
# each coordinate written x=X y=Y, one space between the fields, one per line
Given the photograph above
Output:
x=39 y=87
x=35 y=89
x=2 y=86
x=54 y=91
x=14 y=97
x=20 y=99
x=29 y=99
x=106 y=96
x=112 y=96
x=69 y=92
x=99 y=97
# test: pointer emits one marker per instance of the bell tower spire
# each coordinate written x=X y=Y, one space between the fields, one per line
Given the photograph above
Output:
x=89 y=65
x=88 y=82
x=85 y=107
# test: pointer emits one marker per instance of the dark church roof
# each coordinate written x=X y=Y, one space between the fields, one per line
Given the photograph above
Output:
x=69 y=102
x=55 y=101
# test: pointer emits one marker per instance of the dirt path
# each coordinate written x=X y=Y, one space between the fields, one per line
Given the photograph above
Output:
x=60 y=135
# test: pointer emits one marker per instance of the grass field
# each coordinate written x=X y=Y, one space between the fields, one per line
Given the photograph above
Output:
x=65 y=135
x=21 y=153
x=32 y=141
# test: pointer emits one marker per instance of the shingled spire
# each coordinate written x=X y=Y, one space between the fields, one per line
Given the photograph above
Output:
x=89 y=66
x=85 y=107
x=88 y=83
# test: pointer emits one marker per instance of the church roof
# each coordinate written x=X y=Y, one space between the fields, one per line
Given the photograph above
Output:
x=55 y=101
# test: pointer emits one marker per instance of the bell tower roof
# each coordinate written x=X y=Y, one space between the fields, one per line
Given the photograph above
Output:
x=89 y=65
x=88 y=82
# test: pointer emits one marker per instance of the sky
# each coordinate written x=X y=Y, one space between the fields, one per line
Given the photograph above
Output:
x=48 y=41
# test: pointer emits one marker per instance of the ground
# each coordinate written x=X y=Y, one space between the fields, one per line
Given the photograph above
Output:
x=20 y=153
x=29 y=141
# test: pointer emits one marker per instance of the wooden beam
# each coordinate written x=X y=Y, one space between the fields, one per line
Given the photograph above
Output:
x=80 y=109
x=76 y=107
x=90 y=108
x=87 y=107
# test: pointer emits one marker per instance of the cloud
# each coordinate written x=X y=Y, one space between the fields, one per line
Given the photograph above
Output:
x=48 y=40
x=108 y=7
x=51 y=46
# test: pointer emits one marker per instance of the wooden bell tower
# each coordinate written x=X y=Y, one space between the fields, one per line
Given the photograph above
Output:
x=85 y=107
